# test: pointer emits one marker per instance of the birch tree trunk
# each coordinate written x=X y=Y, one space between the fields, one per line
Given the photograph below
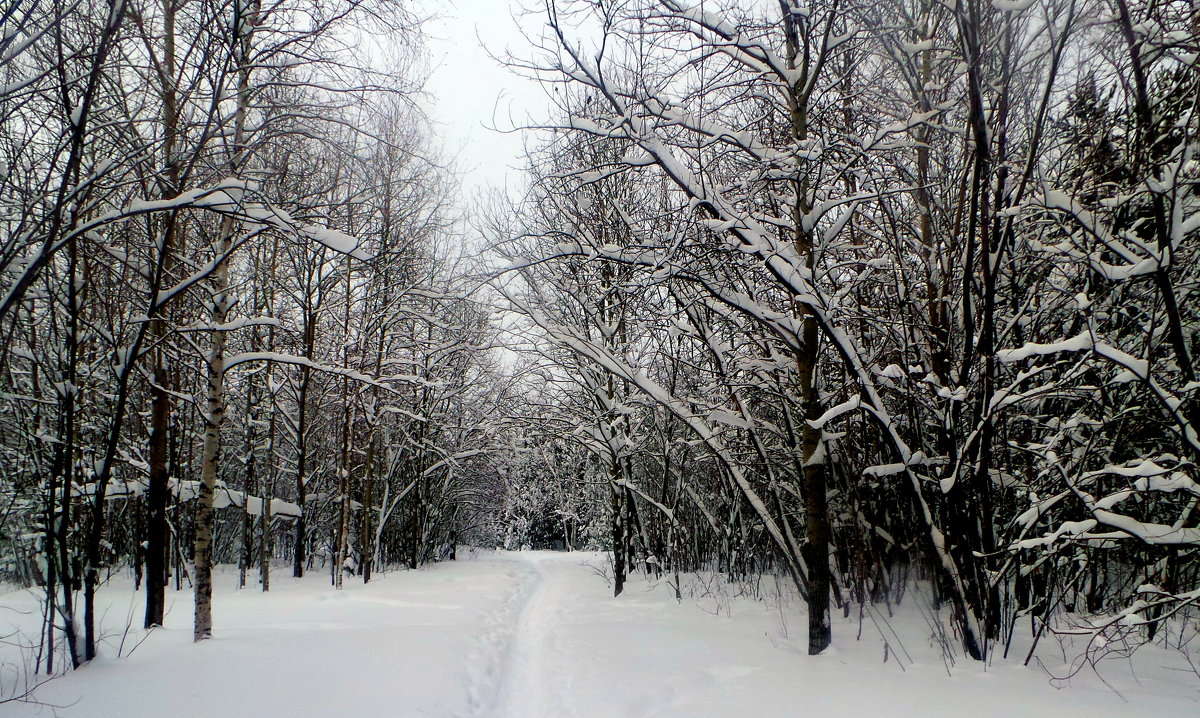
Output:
x=158 y=451
x=221 y=302
x=343 y=528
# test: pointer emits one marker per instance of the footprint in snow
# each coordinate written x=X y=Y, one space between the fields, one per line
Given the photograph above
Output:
x=730 y=673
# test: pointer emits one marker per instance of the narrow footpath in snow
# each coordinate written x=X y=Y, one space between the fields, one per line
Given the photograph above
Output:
x=538 y=635
x=521 y=691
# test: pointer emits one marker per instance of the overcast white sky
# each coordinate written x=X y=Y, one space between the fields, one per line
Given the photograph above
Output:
x=473 y=93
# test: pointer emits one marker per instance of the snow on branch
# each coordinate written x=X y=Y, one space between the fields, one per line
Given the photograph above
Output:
x=229 y=197
x=834 y=412
x=1084 y=341
x=282 y=358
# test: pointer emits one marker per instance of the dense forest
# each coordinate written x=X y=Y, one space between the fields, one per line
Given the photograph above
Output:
x=859 y=295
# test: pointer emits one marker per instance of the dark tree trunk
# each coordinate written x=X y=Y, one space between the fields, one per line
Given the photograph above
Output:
x=156 y=505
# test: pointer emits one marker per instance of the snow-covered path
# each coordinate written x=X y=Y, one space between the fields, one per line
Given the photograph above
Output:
x=538 y=635
x=521 y=691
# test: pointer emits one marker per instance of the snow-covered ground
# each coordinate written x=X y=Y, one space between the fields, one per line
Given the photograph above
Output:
x=538 y=634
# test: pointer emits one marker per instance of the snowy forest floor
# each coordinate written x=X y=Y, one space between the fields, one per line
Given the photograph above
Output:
x=538 y=634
